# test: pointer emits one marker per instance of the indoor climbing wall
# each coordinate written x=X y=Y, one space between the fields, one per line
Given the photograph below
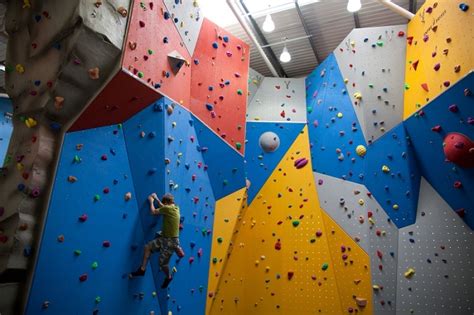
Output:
x=6 y=126
x=59 y=54
x=278 y=99
x=345 y=192
x=439 y=51
x=255 y=79
x=435 y=260
x=220 y=68
x=358 y=213
x=93 y=236
x=375 y=83
x=387 y=167
x=282 y=259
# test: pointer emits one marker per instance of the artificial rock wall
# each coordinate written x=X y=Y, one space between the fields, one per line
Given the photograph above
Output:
x=344 y=192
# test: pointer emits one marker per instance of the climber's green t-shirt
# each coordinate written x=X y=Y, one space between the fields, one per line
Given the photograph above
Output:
x=171 y=219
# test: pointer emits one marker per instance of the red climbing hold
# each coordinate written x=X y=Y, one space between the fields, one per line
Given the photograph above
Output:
x=436 y=128
x=106 y=243
x=459 y=149
x=415 y=64
x=425 y=87
x=83 y=277
x=457 y=184
x=290 y=275
x=278 y=245
x=83 y=218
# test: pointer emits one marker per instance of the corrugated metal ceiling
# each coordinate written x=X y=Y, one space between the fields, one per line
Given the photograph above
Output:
x=328 y=23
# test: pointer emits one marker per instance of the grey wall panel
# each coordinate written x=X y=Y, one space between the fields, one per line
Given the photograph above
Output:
x=353 y=207
x=372 y=60
x=278 y=95
x=189 y=21
x=439 y=247
x=254 y=81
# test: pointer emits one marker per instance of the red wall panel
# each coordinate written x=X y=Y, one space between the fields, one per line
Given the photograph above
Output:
x=152 y=35
x=219 y=83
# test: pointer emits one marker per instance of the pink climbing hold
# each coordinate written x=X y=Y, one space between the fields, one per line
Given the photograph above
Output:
x=191 y=260
x=300 y=163
x=459 y=149
x=83 y=218
x=278 y=245
x=436 y=128
x=83 y=277
x=103 y=157
x=453 y=108
x=457 y=184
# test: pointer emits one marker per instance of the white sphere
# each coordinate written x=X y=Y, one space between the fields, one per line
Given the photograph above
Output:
x=269 y=141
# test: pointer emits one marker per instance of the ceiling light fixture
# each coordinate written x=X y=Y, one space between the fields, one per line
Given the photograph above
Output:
x=285 y=55
x=268 y=25
x=353 y=5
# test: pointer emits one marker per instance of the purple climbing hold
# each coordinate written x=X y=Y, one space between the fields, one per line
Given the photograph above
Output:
x=300 y=163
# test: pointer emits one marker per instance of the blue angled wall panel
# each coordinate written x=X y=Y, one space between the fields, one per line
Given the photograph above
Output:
x=225 y=165
x=259 y=165
x=333 y=139
x=6 y=126
x=102 y=170
x=428 y=144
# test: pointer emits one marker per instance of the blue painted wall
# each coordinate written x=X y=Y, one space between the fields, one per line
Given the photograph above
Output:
x=333 y=140
x=6 y=127
x=169 y=147
x=428 y=144
x=225 y=165
x=259 y=165
x=334 y=134
x=110 y=219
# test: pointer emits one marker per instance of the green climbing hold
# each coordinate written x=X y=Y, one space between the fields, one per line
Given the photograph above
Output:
x=214 y=260
x=371 y=85
x=119 y=126
x=140 y=74
x=150 y=51
x=225 y=182
x=95 y=265
x=310 y=109
x=407 y=86
x=380 y=43
x=153 y=293
x=238 y=145
x=96 y=197
x=77 y=159
x=219 y=239
x=239 y=91
x=77 y=252
x=296 y=223
x=325 y=266
x=98 y=299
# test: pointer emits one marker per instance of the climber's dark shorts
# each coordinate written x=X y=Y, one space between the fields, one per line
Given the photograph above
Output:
x=166 y=246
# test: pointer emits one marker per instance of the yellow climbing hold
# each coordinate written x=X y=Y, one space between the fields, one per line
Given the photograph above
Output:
x=385 y=169
x=339 y=115
x=361 y=202
x=395 y=207
x=26 y=4
x=409 y=273
x=346 y=80
x=361 y=150
x=358 y=95
x=20 y=68
x=30 y=122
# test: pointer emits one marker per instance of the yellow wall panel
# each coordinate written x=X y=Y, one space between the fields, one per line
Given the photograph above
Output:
x=276 y=265
x=226 y=214
x=443 y=38
x=352 y=267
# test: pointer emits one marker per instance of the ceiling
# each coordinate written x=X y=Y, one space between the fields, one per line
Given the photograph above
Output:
x=327 y=22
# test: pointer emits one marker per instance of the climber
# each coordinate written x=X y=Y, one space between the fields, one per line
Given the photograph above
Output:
x=167 y=240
